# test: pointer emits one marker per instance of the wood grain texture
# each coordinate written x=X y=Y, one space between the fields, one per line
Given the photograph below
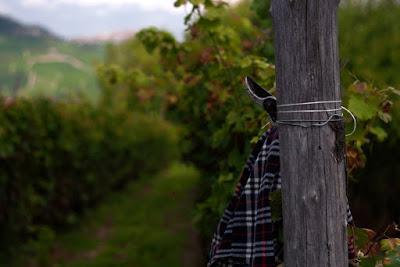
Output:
x=312 y=165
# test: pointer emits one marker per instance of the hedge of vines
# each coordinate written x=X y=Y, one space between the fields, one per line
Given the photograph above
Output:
x=59 y=158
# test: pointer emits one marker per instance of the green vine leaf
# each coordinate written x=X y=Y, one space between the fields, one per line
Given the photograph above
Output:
x=379 y=133
x=361 y=109
x=361 y=237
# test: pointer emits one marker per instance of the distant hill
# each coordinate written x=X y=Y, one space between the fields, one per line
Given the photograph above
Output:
x=35 y=61
x=9 y=26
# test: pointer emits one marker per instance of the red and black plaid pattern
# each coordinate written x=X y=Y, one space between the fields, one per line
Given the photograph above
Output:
x=246 y=234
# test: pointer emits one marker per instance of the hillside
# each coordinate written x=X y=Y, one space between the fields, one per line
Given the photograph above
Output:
x=11 y=27
x=36 y=61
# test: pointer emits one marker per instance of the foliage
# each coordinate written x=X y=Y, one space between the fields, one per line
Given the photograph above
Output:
x=370 y=50
x=60 y=158
x=378 y=249
x=370 y=47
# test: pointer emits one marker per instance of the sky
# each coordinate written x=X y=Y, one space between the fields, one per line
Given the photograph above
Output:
x=86 y=18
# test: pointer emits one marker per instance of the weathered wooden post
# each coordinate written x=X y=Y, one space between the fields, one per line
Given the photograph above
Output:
x=312 y=159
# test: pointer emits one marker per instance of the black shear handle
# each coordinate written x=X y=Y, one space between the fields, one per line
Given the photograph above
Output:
x=261 y=97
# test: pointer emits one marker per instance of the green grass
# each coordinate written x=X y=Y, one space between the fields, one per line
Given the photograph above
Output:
x=148 y=224
x=60 y=79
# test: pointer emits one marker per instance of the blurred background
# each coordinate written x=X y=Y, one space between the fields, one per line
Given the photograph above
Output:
x=124 y=124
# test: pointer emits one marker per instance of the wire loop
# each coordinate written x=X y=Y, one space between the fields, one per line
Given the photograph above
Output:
x=315 y=122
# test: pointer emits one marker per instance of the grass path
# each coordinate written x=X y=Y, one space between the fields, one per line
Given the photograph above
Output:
x=148 y=224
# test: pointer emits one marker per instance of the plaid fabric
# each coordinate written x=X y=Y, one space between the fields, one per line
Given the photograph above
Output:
x=246 y=234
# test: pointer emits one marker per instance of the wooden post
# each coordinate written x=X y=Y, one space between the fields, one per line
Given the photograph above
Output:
x=312 y=159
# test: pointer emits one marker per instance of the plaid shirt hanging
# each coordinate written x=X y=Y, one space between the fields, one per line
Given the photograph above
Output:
x=246 y=234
